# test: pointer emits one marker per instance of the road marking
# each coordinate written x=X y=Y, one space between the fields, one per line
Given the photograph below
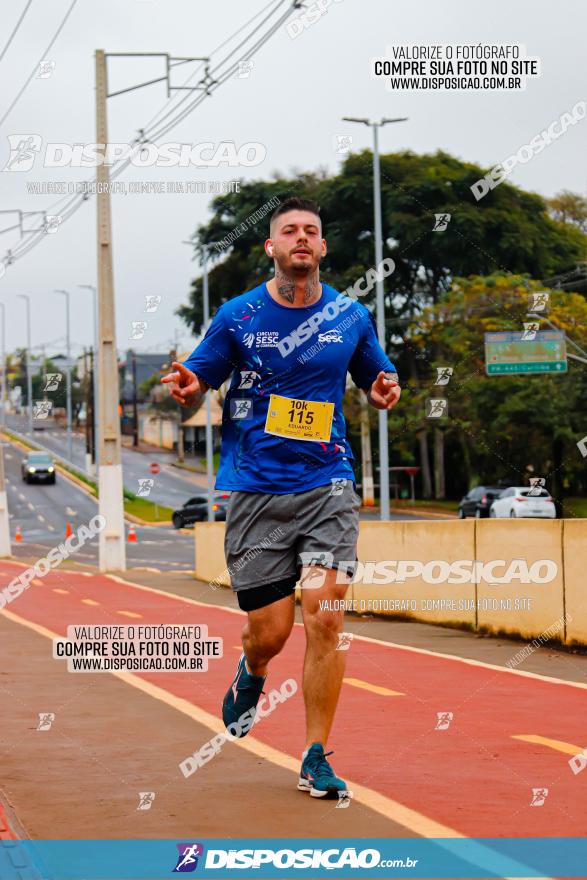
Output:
x=70 y=511
x=41 y=517
x=30 y=506
x=59 y=590
x=37 y=582
x=129 y=613
x=375 y=688
x=452 y=657
x=52 y=528
x=146 y=567
x=21 y=496
x=558 y=744
x=476 y=854
x=90 y=602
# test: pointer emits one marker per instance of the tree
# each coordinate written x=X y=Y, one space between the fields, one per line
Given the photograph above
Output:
x=509 y=230
x=569 y=207
x=500 y=427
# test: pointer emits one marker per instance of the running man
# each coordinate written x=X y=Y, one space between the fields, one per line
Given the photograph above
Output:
x=293 y=512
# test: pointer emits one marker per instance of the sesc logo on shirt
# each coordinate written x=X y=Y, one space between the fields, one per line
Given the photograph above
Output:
x=330 y=336
x=266 y=339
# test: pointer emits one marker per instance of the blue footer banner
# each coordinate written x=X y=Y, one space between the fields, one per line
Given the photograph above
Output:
x=453 y=858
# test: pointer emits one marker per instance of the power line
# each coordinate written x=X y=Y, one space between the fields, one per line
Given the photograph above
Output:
x=18 y=24
x=211 y=84
x=193 y=74
x=44 y=55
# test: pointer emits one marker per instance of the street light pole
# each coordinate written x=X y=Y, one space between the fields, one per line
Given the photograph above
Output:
x=68 y=374
x=96 y=390
x=208 y=404
x=5 y=548
x=3 y=309
x=29 y=376
x=380 y=310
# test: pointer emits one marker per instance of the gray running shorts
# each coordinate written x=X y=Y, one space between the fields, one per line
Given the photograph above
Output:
x=269 y=538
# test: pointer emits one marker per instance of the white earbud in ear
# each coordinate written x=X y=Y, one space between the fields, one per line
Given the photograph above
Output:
x=270 y=250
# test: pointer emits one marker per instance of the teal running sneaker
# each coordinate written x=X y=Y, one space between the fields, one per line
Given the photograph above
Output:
x=317 y=776
x=240 y=703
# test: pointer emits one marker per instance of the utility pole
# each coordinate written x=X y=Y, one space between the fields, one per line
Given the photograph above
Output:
x=91 y=414
x=3 y=309
x=382 y=413
x=112 y=549
x=88 y=381
x=135 y=410
x=209 y=447
x=207 y=399
x=68 y=374
x=29 y=375
x=95 y=389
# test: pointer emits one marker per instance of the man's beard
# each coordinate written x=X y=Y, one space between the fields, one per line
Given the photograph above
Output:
x=296 y=270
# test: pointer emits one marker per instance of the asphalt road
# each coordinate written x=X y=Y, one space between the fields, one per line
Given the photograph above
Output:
x=42 y=511
x=172 y=486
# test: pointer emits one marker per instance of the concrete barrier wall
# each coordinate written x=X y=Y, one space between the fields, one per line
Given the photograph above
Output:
x=210 y=564
x=551 y=551
x=426 y=541
x=525 y=609
x=575 y=566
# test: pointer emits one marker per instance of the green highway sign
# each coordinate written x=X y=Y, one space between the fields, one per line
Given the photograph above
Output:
x=510 y=352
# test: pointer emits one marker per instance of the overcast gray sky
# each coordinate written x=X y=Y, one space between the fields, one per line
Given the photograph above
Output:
x=292 y=103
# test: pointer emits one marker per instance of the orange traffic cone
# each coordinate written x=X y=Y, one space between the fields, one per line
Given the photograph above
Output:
x=132 y=534
x=68 y=530
x=18 y=534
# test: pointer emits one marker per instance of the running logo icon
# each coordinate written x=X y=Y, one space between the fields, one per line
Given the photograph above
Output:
x=441 y=222
x=42 y=409
x=444 y=719
x=46 y=719
x=52 y=381
x=23 y=151
x=241 y=408
x=189 y=855
x=443 y=375
x=146 y=799
x=539 y=795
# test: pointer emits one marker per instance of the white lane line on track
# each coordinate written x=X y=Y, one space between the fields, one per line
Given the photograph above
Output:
x=476 y=854
x=466 y=660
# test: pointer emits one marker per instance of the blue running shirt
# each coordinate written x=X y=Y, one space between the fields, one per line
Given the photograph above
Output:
x=298 y=353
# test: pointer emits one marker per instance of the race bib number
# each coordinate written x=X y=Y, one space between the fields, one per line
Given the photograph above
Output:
x=299 y=419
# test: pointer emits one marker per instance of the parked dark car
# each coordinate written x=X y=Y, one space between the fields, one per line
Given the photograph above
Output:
x=478 y=501
x=38 y=467
x=196 y=510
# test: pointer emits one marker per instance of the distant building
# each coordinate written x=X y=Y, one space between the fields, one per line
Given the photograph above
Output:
x=146 y=366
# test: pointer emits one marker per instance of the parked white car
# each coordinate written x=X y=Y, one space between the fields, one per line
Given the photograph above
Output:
x=518 y=502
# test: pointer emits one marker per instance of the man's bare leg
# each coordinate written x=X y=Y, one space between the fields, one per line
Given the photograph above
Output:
x=266 y=632
x=323 y=664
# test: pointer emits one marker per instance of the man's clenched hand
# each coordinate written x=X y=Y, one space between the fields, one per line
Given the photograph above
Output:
x=385 y=392
x=184 y=386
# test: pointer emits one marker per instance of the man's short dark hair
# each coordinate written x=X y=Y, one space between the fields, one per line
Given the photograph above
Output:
x=294 y=203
